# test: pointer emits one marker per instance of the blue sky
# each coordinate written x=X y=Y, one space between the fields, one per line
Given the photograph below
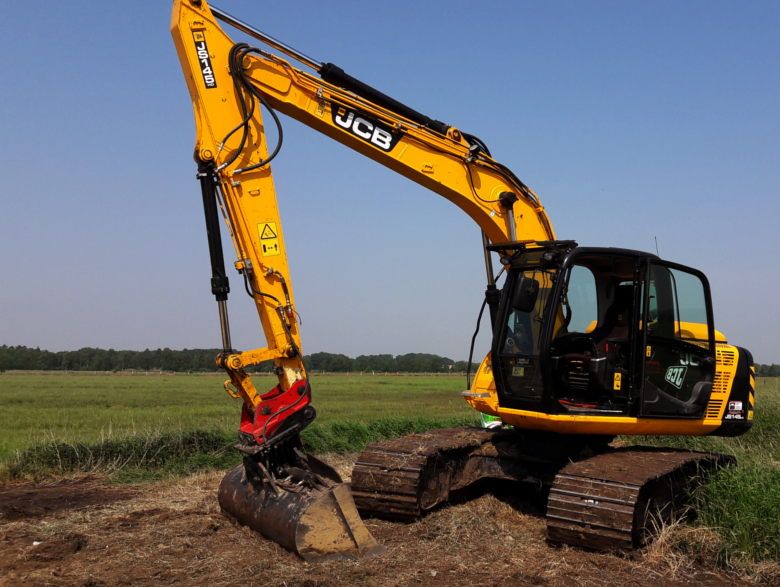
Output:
x=631 y=120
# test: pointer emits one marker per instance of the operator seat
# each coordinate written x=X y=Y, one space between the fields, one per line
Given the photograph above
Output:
x=616 y=325
x=613 y=337
x=586 y=373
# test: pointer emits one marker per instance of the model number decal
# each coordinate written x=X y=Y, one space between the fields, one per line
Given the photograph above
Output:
x=204 y=59
x=362 y=126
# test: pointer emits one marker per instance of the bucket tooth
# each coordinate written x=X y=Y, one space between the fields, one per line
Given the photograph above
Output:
x=316 y=523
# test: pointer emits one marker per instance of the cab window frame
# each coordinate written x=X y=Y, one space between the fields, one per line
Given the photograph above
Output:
x=675 y=338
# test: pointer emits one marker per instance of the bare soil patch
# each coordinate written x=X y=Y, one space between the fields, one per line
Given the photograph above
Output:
x=25 y=500
x=89 y=532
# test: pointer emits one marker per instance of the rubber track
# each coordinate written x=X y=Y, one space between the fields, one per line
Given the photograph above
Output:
x=400 y=479
x=602 y=502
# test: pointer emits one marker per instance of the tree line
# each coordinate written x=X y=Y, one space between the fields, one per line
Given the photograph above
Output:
x=768 y=370
x=202 y=360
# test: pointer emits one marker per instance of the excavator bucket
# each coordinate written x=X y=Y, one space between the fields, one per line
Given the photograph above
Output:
x=316 y=521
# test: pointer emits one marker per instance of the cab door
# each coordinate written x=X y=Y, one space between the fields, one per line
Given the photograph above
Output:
x=679 y=347
x=516 y=350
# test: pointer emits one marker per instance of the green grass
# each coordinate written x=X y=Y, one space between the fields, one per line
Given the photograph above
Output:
x=139 y=456
x=148 y=426
x=77 y=408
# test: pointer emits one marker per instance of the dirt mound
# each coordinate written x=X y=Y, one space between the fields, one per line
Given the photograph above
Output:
x=173 y=533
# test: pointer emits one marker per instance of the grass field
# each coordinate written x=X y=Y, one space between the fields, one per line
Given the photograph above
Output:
x=69 y=407
x=139 y=426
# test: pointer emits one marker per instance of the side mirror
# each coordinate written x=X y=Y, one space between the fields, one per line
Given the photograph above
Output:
x=525 y=294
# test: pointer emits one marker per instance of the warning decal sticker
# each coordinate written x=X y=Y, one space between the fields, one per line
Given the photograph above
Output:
x=269 y=239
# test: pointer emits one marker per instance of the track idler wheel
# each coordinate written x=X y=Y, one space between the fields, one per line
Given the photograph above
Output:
x=304 y=511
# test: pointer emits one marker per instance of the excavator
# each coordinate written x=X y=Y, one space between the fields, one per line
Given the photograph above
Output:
x=587 y=343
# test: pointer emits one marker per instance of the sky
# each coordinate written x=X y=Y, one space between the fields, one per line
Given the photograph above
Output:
x=632 y=121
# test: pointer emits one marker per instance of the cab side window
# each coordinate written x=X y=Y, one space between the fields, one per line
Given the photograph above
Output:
x=677 y=306
x=582 y=300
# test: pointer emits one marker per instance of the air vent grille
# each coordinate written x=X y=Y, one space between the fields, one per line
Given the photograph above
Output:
x=713 y=408
x=725 y=357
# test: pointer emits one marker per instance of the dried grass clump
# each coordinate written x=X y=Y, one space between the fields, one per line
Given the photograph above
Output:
x=678 y=548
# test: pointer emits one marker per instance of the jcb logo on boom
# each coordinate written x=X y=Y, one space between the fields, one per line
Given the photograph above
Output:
x=370 y=130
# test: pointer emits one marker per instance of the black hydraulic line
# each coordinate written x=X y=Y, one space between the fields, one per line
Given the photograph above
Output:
x=252 y=292
x=476 y=142
x=333 y=74
x=473 y=340
x=245 y=90
x=492 y=298
x=220 y=285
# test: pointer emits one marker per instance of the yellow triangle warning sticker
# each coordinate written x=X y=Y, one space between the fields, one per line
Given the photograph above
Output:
x=269 y=239
x=268 y=231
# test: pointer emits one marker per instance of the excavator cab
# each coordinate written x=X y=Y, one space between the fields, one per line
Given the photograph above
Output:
x=602 y=331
